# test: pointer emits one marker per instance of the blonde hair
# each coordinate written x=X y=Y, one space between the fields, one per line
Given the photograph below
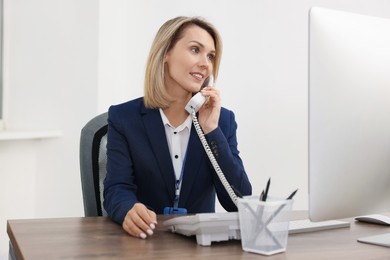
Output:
x=155 y=94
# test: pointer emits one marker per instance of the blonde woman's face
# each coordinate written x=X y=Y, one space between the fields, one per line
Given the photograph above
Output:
x=190 y=61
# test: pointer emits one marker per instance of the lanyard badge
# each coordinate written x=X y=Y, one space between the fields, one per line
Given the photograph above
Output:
x=175 y=209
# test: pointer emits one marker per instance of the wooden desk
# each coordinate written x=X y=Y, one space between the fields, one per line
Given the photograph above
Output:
x=100 y=238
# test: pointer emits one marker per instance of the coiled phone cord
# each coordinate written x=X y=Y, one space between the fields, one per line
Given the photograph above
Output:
x=213 y=161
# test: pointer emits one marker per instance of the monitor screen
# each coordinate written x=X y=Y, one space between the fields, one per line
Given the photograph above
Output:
x=349 y=114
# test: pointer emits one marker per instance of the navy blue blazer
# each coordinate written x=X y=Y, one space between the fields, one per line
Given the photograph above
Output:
x=139 y=167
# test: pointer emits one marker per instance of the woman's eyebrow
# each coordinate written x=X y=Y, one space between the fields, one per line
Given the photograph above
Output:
x=201 y=45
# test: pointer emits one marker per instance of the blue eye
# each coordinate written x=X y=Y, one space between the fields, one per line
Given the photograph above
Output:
x=211 y=57
x=195 y=49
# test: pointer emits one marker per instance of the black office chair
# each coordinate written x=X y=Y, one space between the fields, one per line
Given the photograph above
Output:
x=93 y=161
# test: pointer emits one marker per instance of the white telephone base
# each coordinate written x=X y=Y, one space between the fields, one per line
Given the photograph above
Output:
x=207 y=227
x=224 y=226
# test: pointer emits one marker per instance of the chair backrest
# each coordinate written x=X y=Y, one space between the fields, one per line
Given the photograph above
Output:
x=93 y=161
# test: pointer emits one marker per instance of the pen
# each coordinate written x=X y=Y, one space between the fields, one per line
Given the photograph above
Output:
x=292 y=194
x=266 y=189
x=281 y=207
x=261 y=196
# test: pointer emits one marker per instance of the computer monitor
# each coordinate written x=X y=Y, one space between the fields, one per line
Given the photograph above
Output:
x=349 y=114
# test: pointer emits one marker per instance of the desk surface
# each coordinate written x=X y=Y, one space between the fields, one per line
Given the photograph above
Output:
x=100 y=238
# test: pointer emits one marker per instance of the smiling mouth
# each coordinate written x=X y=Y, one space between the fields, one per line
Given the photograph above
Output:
x=197 y=76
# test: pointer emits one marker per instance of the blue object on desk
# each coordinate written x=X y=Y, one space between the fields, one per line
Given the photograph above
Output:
x=174 y=211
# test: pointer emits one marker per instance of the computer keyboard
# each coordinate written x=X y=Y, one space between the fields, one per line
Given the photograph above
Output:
x=305 y=225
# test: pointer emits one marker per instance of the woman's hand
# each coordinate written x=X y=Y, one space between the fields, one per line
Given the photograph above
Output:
x=210 y=111
x=140 y=221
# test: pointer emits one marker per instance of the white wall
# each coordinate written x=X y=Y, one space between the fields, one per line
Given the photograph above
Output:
x=50 y=66
x=67 y=60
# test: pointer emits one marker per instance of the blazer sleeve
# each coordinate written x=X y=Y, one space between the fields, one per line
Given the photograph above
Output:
x=224 y=146
x=119 y=187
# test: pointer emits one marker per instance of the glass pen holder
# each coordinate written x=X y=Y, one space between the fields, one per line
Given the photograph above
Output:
x=264 y=224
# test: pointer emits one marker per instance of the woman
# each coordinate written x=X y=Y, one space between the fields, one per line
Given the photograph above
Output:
x=153 y=151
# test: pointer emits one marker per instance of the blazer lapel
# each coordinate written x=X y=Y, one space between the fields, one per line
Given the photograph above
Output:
x=156 y=133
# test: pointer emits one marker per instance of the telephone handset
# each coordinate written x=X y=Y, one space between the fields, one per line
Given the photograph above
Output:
x=193 y=107
x=198 y=99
